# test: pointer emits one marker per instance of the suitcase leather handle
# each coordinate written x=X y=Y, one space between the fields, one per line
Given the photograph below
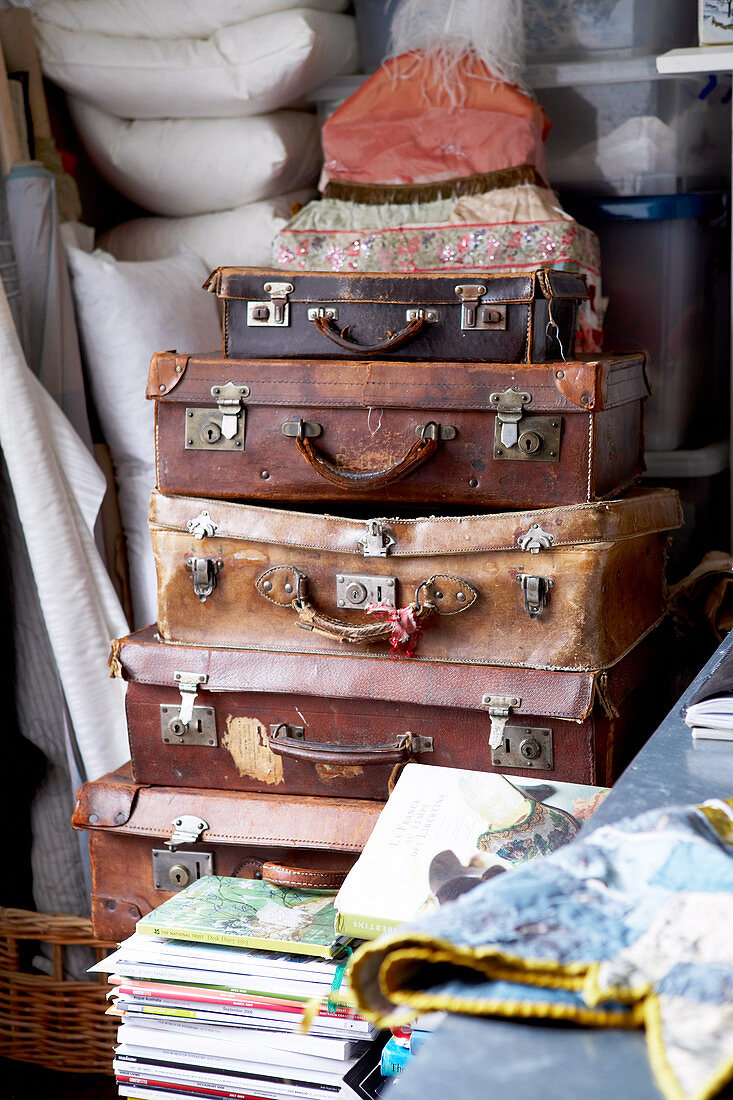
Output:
x=398 y=751
x=310 y=618
x=390 y=343
x=287 y=586
x=302 y=877
x=422 y=449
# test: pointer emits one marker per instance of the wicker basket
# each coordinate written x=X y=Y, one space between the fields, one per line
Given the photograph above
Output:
x=48 y=1019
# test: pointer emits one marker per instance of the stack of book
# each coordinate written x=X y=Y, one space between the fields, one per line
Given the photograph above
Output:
x=239 y=988
x=214 y=986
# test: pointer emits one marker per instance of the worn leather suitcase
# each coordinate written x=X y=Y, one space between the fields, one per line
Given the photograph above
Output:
x=571 y=588
x=147 y=842
x=484 y=435
x=341 y=725
x=527 y=316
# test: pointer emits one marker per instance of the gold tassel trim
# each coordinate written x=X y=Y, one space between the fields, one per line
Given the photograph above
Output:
x=379 y=194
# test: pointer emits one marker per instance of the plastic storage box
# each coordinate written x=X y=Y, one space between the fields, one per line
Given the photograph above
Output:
x=665 y=273
x=701 y=477
x=630 y=137
x=562 y=29
x=581 y=28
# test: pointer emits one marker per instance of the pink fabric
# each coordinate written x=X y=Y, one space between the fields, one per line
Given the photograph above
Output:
x=403 y=125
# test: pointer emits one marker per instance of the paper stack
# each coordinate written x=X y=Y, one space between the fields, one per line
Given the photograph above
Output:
x=207 y=1009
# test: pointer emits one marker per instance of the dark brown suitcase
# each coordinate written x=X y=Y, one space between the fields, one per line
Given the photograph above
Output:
x=340 y=725
x=573 y=587
x=146 y=842
x=512 y=317
x=484 y=435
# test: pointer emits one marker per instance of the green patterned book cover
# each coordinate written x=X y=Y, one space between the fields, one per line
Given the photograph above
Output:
x=248 y=913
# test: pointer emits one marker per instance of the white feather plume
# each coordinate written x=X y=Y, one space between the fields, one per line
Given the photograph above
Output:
x=492 y=29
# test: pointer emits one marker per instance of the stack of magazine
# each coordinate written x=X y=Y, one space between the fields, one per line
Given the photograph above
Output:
x=213 y=990
x=239 y=988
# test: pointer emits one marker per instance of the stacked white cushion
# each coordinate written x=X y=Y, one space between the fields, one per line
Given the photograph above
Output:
x=247 y=68
x=178 y=167
x=125 y=313
x=165 y=18
x=241 y=237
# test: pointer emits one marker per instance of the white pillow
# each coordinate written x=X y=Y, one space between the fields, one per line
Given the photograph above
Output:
x=126 y=312
x=166 y=18
x=247 y=69
x=178 y=167
x=242 y=237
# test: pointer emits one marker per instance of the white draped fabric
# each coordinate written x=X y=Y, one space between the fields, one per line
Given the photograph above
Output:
x=58 y=490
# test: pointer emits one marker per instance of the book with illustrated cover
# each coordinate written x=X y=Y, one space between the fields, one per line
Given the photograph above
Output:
x=248 y=913
x=443 y=831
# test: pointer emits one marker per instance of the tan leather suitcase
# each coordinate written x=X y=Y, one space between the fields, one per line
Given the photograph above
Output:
x=472 y=434
x=511 y=317
x=340 y=725
x=147 y=842
x=573 y=587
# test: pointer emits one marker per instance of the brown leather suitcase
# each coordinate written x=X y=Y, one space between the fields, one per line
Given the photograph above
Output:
x=573 y=587
x=340 y=725
x=512 y=317
x=147 y=842
x=473 y=434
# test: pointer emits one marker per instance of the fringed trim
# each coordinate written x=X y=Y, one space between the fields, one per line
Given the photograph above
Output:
x=379 y=194
x=114 y=664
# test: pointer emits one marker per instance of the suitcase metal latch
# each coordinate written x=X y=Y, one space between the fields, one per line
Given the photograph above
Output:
x=188 y=724
x=174 y=870
x=204 y=430
x=202 y=526
x=187 y=829
x=274 y=313
x=476 y=316
x=355 y=591
x=524 y=747
x=537 y=438
x=376 y=542
x=200 y=729
x=499 y=707
x=509 y=407
x=535 y=591
x=188 y=685
x=204 y=572
x=535 y=539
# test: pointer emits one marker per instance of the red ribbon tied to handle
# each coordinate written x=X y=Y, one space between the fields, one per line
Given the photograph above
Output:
x=406 y=628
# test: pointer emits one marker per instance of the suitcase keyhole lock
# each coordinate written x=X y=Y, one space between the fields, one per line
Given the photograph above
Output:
x=179 y=875
x=356 y=593
x=210 y=433
x=529 y=748
x=177 y=726
x=529 y=443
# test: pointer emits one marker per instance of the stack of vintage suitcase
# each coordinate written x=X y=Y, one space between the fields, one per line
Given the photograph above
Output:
x=395 y=521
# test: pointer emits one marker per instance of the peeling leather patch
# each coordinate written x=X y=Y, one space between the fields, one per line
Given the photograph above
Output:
x=337 y=771
x=247 y=742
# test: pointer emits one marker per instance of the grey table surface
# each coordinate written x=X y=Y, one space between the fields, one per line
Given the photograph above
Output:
x=506 y=1060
